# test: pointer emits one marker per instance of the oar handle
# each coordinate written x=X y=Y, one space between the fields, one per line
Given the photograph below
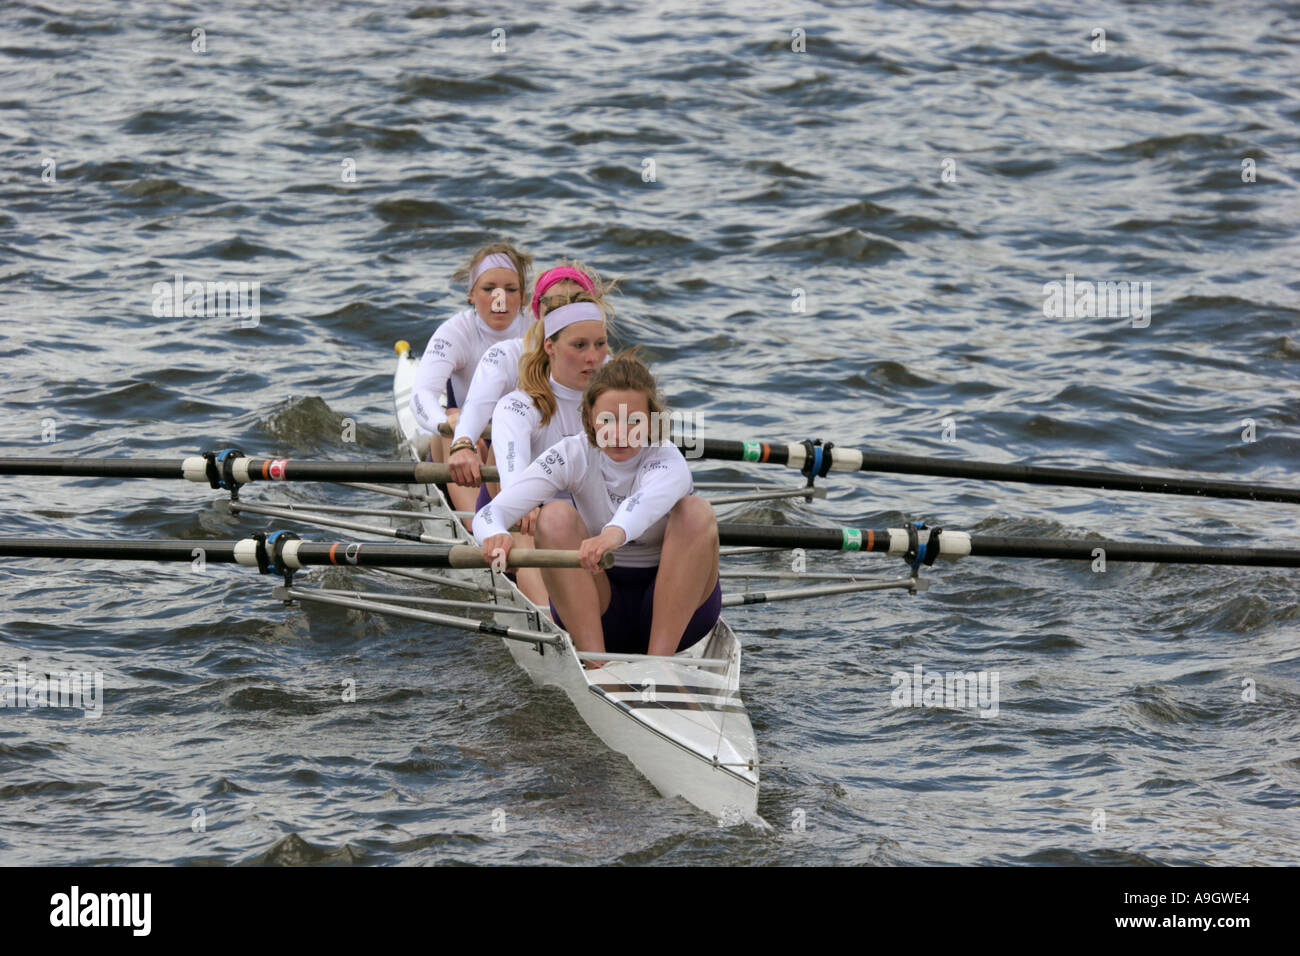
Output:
x=532 y=558
x=436 y=473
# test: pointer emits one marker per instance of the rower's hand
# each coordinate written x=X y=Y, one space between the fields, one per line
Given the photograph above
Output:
x=528 y=523
x=593 y=549
x=497 y=543
x=464 y=468
x=453 y=416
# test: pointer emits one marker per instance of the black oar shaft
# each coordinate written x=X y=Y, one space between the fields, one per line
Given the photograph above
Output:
x=95 y=467
x=1084 y=549
x=845 y=459
x=954 y=544
x=820 y=539
x=249 y=469
x=1074 y=478
x=119 y=549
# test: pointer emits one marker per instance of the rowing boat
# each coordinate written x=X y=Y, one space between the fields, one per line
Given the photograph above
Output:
x=680 y=720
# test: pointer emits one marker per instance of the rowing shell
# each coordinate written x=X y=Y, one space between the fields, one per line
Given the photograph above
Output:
x=681 y=724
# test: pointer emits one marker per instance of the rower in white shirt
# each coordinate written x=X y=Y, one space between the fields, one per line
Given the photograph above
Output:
x=630 y=492
x=560 y=355
x=498 y=374
x=497 y=275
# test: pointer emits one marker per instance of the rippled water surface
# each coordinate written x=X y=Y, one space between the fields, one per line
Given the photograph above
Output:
x=910 y=181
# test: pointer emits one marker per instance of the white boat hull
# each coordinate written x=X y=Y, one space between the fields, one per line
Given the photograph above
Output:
x=683 y=727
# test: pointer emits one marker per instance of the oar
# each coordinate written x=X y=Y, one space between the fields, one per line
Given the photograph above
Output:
x=742 y=598
x=822 y=459
x=232 y=467
x=485 y=628
x=918 y=546
x=282 y=551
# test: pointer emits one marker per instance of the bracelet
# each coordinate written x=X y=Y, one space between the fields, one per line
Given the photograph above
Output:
x=461 y=443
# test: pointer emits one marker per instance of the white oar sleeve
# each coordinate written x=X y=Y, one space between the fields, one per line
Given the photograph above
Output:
x=441 y=357
x=663 y=480
x=541 y=481
x=514 y=422
x=495 y=376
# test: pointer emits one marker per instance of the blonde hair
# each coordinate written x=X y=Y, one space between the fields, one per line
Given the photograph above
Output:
x=625 y=373
x=523 y=263
x=567 y=291
x=535 y=363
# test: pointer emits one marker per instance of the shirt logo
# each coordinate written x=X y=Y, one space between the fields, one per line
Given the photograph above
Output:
x=552 y=457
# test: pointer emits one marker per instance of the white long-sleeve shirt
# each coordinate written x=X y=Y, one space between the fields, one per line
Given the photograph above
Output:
x=497 y=374
x=452 y=355
x=518 y=435
x=635 y=495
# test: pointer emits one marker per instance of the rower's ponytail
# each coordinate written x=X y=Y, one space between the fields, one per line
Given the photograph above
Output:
x=534 y=363
x=535 y=371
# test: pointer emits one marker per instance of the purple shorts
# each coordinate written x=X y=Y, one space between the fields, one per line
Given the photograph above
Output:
x=626 y=622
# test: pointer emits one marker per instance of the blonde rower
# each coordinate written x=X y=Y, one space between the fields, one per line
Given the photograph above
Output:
x=561 y=352
x=498 y=373
x=497 y=275
x=631 y=493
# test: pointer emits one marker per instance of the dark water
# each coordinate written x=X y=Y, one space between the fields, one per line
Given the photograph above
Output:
x=774 y=171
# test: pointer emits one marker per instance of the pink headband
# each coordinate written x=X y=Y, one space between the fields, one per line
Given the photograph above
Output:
x=498 y=260
x=552 y=276
x=566 y=315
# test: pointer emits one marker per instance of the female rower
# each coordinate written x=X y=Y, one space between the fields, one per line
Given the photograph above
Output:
x=497 y=275
x=560 y=353
x=498 y=373
x=631 y=493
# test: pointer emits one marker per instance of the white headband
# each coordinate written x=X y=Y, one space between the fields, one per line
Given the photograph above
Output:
x=498 y=260
x=566 y=315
